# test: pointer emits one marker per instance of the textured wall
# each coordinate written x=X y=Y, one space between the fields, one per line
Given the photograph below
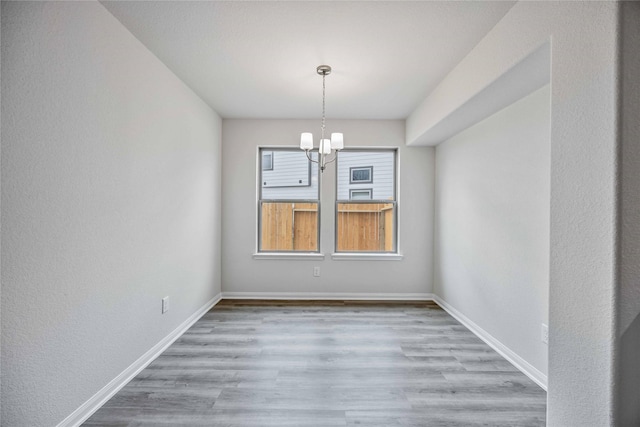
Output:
x=492 y=225
x=584 y=180
x=242 y=273
x=110 y=201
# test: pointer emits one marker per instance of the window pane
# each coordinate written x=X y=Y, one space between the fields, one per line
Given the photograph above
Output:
x=359 y=170
x=288 y=226
x=360 y=194
x=288 y=201
x=267 y=161
x=366 y=227
x=361 y=174
x=291 y=177
x=361 y=226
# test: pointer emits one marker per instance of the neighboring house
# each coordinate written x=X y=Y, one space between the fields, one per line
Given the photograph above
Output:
x=288 y=175
x=361 y=176
x=365 y=175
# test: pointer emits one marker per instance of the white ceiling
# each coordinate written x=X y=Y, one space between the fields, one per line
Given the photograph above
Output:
x=258 y=59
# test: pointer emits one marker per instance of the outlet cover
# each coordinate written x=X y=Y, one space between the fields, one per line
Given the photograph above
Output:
x=545 y=334
x=165 y=304
x=316 y=271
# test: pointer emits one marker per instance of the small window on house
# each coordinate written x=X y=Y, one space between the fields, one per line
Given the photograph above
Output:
x=366 y=209
x=288 y=214
x=363 y=194
x=267 y=161
x=361 y=175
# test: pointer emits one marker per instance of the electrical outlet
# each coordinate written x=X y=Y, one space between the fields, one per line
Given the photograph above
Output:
x=165 y=304
x=545 y=334
x=316 y=271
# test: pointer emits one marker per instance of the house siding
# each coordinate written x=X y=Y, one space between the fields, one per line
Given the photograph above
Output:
x=290 y=178
x=383 y=173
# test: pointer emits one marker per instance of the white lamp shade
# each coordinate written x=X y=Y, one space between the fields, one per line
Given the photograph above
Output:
x=325 y=146
x=306 y=141
x=337 y=141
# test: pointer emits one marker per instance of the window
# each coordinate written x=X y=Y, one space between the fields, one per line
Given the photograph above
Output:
x=363 y=194
x=366 y=210
x=361 y=175
x=288 y=202
x=267 y=161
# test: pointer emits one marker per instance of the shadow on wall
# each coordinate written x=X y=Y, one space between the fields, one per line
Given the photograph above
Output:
x=630 y=375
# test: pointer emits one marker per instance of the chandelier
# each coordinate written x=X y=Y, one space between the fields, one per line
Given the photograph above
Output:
x=326 y=146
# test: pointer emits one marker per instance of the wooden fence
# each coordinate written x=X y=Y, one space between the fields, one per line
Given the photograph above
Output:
x=365 y=227
x=293 y=226
x=289 y=226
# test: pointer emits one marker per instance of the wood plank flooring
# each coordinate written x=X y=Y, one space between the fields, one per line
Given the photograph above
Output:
x=327 y=363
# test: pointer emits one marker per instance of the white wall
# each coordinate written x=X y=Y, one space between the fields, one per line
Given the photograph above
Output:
x=583 y=289
x=242 y=273
x=110 y=201
x=492 y=225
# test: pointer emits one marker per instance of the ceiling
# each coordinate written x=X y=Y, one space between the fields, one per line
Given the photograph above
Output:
x=258 y=59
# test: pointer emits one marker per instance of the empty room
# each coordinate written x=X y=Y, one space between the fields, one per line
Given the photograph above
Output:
x=320 y=213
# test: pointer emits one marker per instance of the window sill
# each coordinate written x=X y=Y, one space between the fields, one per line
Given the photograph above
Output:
x=352 y=256
x=289 y=256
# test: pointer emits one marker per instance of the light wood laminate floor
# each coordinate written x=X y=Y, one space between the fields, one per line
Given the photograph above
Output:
x=331 y=363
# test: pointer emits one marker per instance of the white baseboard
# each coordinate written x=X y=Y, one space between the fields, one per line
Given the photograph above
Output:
x=87 y=409
x=328 y=296
x=517 y=361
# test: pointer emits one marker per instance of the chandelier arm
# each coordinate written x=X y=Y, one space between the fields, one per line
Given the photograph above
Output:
x=308 y=157
x=335 y=157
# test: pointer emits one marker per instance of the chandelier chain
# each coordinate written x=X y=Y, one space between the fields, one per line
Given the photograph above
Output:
x=323 y=109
